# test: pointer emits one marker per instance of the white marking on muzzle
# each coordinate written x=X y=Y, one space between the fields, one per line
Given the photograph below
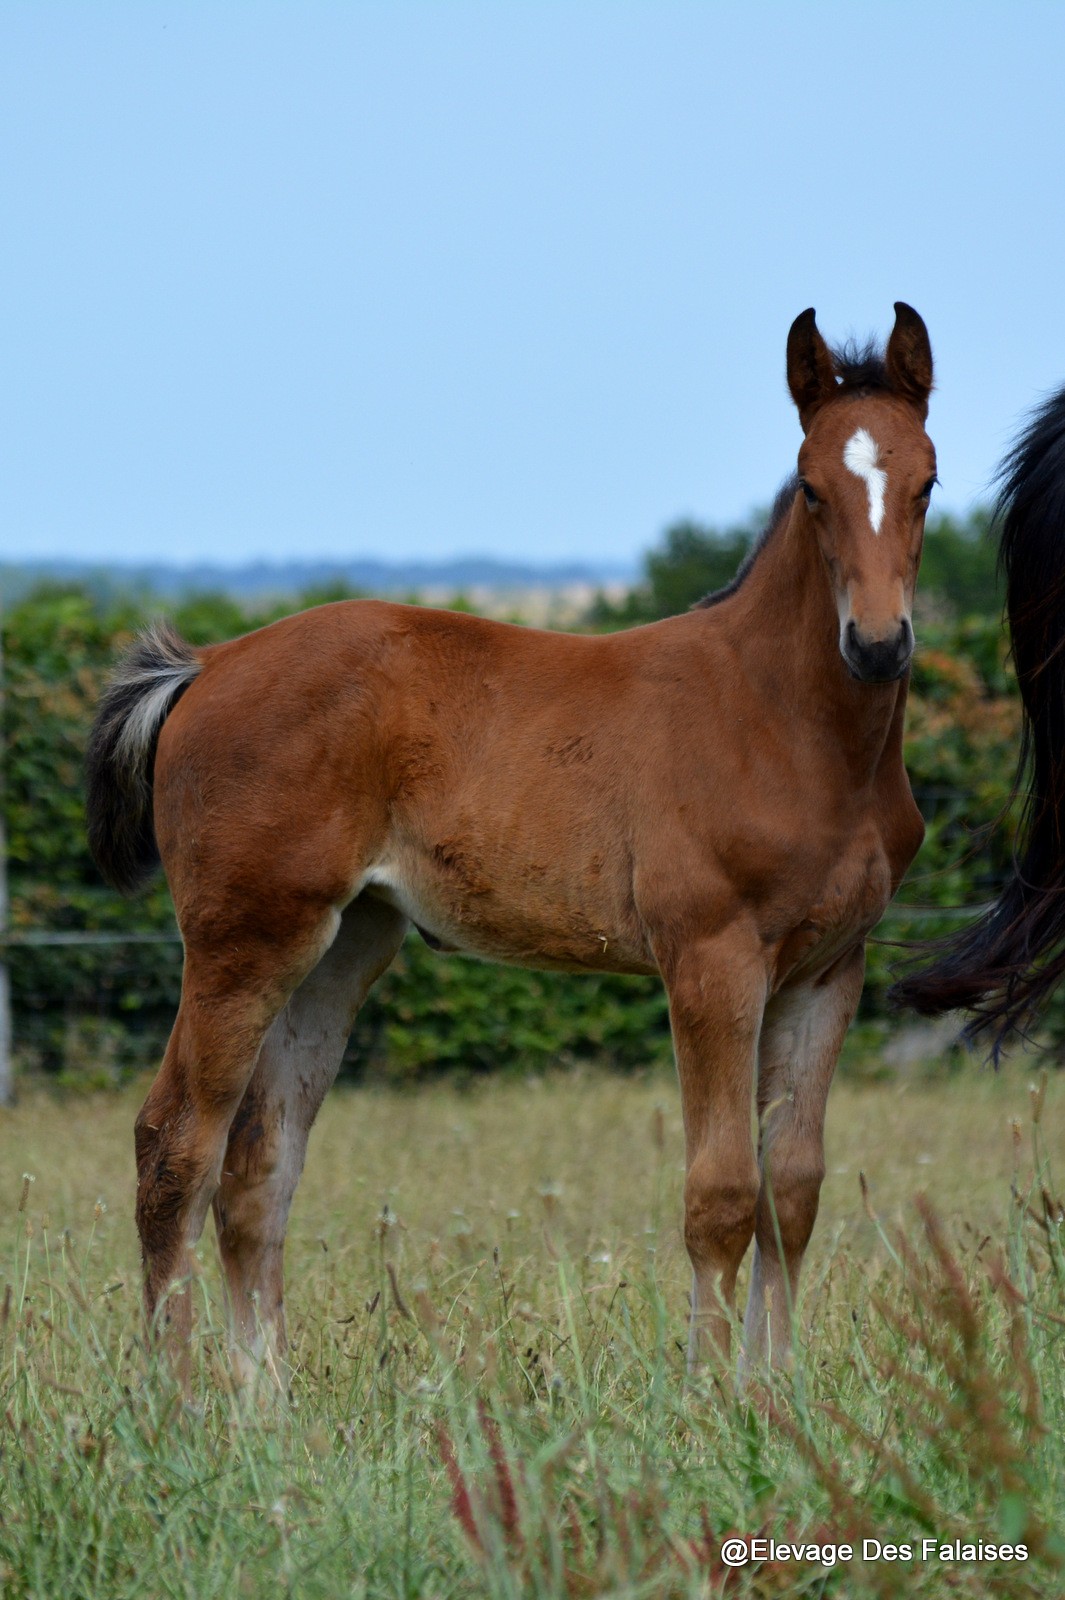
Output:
x=861 y=456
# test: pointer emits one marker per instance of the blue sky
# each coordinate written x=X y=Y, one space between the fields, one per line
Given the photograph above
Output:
x=421 y=280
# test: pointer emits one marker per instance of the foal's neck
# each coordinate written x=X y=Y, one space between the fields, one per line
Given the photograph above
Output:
x=785 y=626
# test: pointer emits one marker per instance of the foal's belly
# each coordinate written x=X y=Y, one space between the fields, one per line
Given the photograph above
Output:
x=532 y=920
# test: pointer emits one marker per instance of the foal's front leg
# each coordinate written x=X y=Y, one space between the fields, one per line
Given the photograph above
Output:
x=716 y=997
x=802 y=1037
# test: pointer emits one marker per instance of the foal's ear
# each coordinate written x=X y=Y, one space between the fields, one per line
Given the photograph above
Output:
x=909 y=357
x=811 y=370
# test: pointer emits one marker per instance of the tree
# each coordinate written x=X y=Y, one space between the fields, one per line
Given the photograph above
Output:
x=959 y=565
x=690 y=561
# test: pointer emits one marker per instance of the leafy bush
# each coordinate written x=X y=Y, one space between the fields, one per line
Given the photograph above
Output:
x=962 y=734
x=430 y=1013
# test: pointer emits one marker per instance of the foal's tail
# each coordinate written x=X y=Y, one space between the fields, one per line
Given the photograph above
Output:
x=120 y=758
x=1003 y=967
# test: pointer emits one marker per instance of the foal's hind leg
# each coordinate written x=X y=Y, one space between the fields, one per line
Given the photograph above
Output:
x=233 y=987
x=802 y=1037
x=268 y=1138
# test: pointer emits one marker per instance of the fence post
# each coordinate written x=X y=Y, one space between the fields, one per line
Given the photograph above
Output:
x=7 y=1083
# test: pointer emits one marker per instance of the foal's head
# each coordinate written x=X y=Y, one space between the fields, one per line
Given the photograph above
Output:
x=866 y=470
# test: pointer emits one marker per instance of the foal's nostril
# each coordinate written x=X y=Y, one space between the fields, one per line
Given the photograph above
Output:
x=906 y=640
x=904 y=645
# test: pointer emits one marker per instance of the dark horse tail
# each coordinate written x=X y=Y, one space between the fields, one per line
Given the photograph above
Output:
x=120 y=759
x=1003 y=967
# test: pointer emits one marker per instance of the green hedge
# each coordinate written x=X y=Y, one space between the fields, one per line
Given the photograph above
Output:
x=103 y=1010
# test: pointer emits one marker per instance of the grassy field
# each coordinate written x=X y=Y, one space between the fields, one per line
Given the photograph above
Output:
x=487 y=1299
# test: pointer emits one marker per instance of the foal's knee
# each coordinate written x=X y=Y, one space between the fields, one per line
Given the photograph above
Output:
x=720 y=1211
x=788 y=1204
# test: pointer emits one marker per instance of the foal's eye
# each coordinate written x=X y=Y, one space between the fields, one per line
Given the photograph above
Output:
x=926 y=492
x=810 y=497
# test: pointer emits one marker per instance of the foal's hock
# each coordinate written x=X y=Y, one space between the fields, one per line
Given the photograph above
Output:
x=719 y=798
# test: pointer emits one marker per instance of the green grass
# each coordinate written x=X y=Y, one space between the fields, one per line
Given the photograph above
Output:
x=487 y=1297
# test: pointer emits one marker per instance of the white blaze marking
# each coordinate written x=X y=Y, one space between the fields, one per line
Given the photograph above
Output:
x=861 y=456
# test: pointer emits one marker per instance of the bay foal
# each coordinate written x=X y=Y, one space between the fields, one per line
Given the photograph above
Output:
x=719 y=798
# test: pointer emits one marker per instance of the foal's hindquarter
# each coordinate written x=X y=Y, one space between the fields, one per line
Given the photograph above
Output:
x=715 y=798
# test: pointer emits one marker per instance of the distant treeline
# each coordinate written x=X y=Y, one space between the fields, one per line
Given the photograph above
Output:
x=96 y=1011
x=260 y=583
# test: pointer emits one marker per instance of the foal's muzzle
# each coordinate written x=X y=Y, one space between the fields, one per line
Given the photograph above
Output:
x=877 y=660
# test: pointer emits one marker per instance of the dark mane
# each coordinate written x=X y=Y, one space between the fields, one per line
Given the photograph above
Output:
x=860 y=367
x=781 y=506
